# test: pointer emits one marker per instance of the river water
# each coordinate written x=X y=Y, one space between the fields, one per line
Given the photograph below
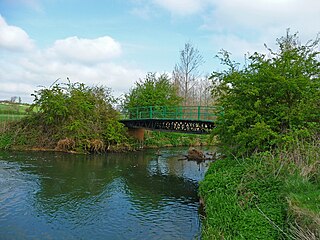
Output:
x=139 y=195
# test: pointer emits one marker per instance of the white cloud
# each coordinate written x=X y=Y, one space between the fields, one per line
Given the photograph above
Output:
x=27 y=73
x=244 y=26
x=14 y=38
x=181 y=7
x=260 y=21
x=90 y=61
x=236 y=15
x=15 y=89
x=143 y=12
x=237 y=46
x=86 y=50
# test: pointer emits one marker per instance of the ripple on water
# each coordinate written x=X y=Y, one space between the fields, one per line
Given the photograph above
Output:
x=139 y=198
x=15 y=188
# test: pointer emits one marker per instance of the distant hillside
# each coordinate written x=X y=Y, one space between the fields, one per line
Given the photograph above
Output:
x=10 y=107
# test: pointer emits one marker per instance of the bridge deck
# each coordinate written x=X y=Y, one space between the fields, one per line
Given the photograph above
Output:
x=191 y=119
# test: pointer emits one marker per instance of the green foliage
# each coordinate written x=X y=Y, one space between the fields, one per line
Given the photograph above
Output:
x=6 y=140
x=152 y=91
x=243 y=200
x=168 y=139
x=81 y=115
x=271 y=98
x=267 y=196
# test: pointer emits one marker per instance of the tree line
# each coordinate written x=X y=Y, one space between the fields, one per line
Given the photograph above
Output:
x=186 y=86
x=263 y=102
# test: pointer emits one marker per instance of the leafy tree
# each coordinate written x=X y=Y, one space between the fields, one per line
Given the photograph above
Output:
x=270 y=98
x=152 y=91
x=83 y=115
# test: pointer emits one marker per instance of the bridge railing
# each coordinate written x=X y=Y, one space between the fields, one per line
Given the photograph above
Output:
x=203 y=113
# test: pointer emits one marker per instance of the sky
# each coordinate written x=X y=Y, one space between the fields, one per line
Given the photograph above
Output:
x=115 y=43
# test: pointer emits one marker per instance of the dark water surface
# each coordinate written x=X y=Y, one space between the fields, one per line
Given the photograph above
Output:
x=136 y=195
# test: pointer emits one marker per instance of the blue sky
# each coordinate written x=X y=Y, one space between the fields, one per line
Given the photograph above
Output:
x=114 y=43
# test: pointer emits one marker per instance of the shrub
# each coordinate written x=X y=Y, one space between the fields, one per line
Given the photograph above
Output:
x=271 y=99
x=71 y=116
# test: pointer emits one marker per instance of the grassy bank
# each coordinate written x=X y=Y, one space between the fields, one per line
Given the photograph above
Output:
x=12 y=136
x=271 y=195
x=18 y=130
x=154 y=139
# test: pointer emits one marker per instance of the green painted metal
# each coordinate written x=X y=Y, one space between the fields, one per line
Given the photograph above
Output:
x=195 y=113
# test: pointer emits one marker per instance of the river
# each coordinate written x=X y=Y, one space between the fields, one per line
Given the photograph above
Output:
x=136 y=195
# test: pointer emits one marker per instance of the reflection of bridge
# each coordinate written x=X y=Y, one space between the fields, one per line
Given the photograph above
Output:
x=188 y=119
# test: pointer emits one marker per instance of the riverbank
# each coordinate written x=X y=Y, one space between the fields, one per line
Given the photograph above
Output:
x=13 y=138
x=271 y=195
x=74 y=118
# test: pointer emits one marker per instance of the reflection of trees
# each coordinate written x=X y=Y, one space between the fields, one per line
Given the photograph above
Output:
x=73 y=177
x=69 y=180
x=152 y=188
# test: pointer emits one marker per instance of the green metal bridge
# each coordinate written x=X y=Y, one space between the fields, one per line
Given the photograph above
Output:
x=189 y=119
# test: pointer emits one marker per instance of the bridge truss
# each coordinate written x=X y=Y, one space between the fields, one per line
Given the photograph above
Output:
x=189 y=126
x=198 y=120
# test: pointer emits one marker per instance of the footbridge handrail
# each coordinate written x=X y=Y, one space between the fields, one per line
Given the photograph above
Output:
x=194 y=113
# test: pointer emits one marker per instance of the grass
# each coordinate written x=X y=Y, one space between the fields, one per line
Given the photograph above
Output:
x=169 y=139
x=242 y=201
x=9 y=113
x=12 y=112
x=271 y=195
x=14 y=107
x=11 y=117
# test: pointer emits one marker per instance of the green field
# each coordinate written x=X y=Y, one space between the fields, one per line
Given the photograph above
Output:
x=14 y=107
x=12 y=111
x=11 y=117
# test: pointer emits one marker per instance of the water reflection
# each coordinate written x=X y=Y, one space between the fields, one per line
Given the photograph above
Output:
x=116 y=196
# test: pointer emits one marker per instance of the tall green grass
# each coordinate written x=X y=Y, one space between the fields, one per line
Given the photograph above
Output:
x=271 y=195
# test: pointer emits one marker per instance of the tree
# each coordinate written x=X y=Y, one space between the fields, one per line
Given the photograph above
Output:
x=186 y=72
x=76 y=115
x=201 y=92
x=152 y=91
x=270 y=98
x=13 y=99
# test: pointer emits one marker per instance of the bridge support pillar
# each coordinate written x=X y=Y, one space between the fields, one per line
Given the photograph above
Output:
x=137 y=133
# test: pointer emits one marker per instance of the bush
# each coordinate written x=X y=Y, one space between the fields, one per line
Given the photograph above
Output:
x=273 y=97
x=71 y=116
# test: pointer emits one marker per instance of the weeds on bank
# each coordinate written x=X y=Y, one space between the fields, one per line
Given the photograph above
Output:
x=271 y=195
x=169 y=139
